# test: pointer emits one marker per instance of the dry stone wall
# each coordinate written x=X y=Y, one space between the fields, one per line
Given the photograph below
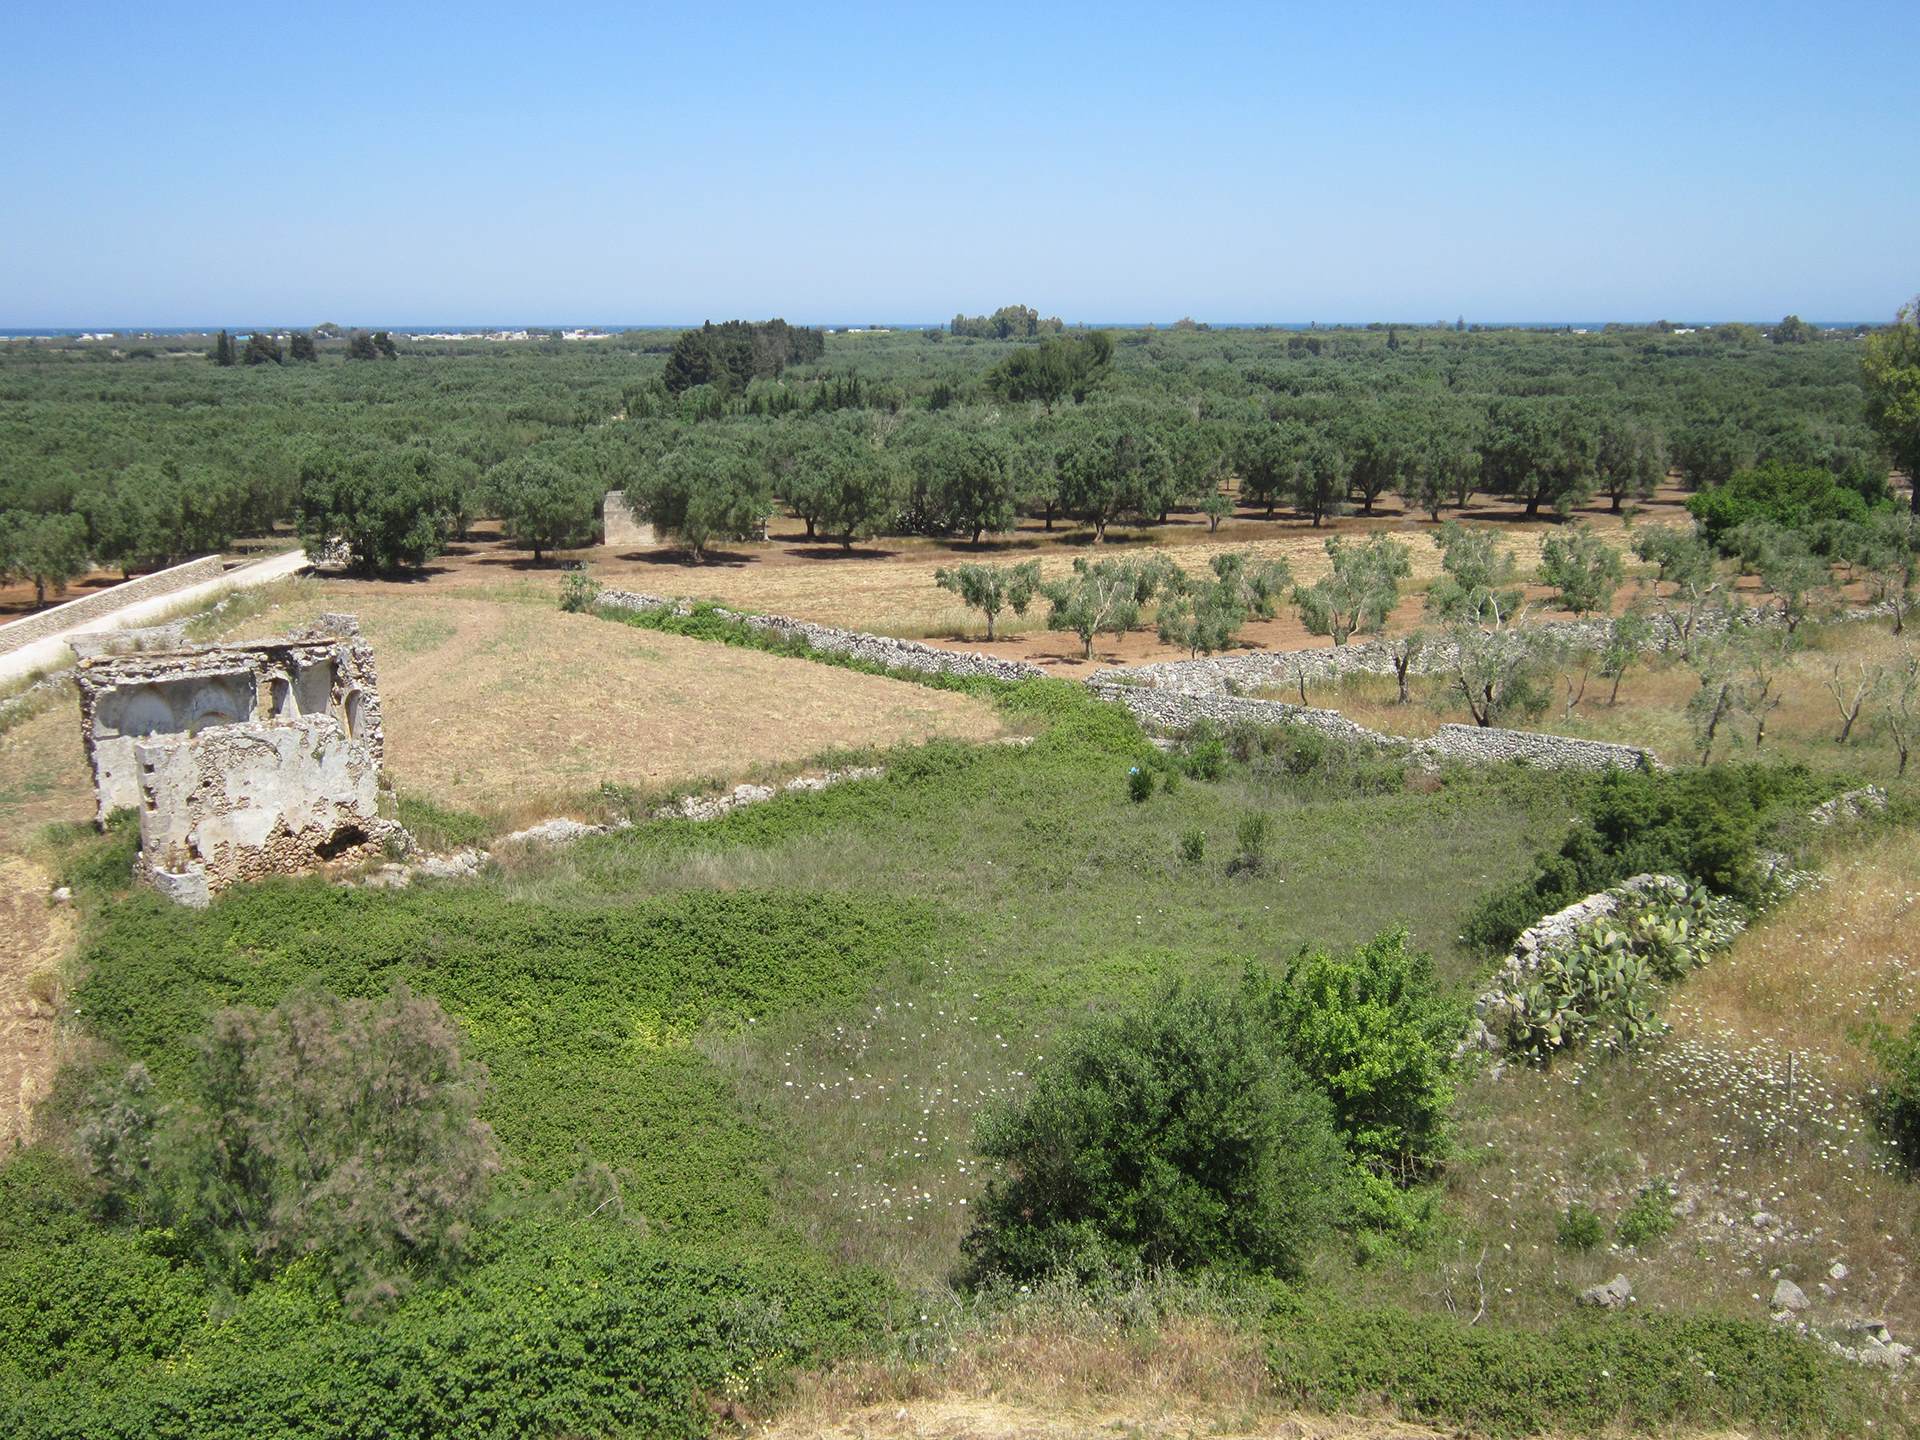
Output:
x=876 y=649
x=1261 y=669
x=1465 y=744
x=16 y=633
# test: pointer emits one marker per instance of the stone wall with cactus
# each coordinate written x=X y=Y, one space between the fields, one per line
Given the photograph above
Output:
x=1595 y=972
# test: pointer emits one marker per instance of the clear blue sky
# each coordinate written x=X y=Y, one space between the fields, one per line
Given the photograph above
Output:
x=407 y=163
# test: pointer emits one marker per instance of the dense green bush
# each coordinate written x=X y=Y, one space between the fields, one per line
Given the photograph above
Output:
x=1705 y=825
x=1180 y=1133
x=1802 y=498
x=1371 y=1028
x=574 y=1326
x=1590 y=1375
x=1897 y=1106
x=1293 y=752
x=1579 y=1228
x=1649 y=1217
x=342 y=1130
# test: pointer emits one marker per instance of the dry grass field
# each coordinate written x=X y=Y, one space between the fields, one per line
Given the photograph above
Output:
x=1054 y=1380
x=34 y=936
x=512 y=708
x=497 y=702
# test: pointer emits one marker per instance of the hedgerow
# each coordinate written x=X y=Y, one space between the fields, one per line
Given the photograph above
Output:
x=1707 y=825
x=1584 y=1376
x=567 y=1327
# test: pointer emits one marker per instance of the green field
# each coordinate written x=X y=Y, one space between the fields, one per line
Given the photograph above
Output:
x=735 y=1070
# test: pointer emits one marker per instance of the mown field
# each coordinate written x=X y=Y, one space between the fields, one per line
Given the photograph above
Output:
x=735 y=1071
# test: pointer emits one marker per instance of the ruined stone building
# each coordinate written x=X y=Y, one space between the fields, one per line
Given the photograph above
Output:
x=243 y=760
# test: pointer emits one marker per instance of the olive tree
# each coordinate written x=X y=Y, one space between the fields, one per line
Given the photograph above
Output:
x=49 y=550
x=1204 y=615
x=1478 y=584
x=545 y=505
x=1891 y=372
x=1103 y=597
x=1358 y=594
x=1583 y=570
x=992 y=588
x=704 y=491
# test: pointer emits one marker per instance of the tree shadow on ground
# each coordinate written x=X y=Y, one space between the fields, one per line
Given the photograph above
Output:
x=835 y=552
x=685 y=559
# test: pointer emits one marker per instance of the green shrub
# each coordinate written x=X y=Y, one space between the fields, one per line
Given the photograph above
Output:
x=1193 y=845
x=575 y=1328
x=579 y=592
x=1649 y=1217
x=1801 y=498
x=1897 y=1106
x=345 y=1130
x=1580 y=1229
x=1203 y=754
x=1371 y=1027
x=436 y=827
x=1251 y=833
x=1180 y=1133
x=1139 y=785
x=1705 y=825
x=1588 y=1375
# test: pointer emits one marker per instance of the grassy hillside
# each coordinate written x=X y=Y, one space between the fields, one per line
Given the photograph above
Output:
x=735 y=1069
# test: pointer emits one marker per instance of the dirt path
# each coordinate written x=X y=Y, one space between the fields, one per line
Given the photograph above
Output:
x=977 y=1419
x=34 y=937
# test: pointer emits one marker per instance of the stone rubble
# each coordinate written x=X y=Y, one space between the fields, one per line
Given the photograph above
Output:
x=1616 y=1294
x=465 y=864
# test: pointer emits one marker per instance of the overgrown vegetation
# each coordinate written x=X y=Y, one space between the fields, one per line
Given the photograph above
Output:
x=1707 y=825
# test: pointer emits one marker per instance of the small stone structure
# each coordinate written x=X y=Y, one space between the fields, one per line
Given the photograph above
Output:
x=263 y=797
x=620 y=525
x=243 y=760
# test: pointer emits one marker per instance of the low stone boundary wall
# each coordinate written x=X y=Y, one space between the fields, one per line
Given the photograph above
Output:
x=1468 y=744
x=1253 y=670
x=875 y=649
x=28 y=629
